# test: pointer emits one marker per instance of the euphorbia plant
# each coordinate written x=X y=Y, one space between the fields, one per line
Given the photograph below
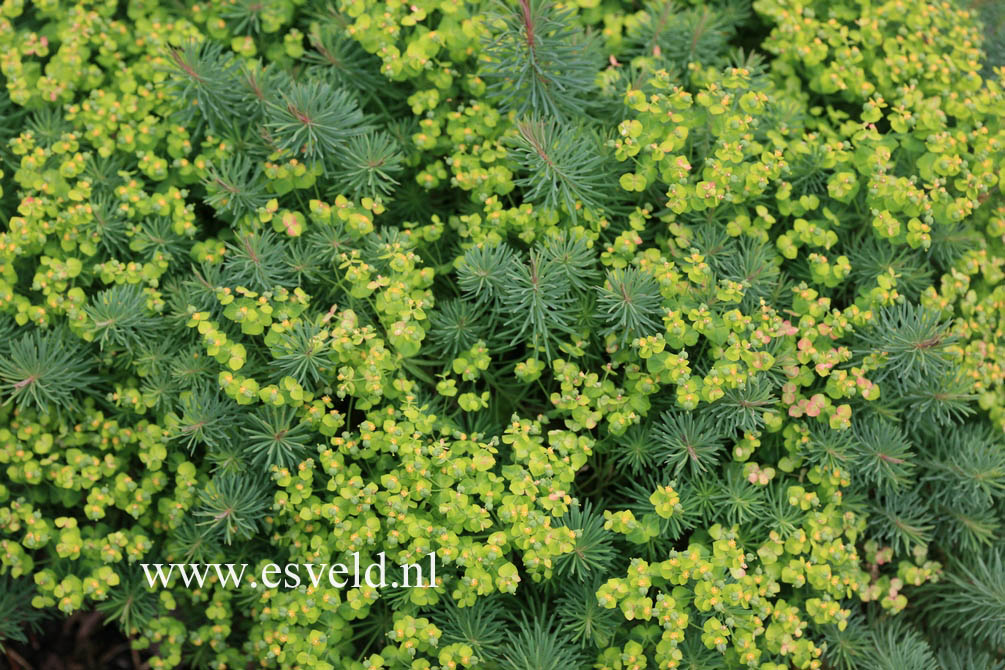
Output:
x=671 y=330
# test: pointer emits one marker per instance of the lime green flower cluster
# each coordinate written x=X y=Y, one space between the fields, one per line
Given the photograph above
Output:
x=674 y=354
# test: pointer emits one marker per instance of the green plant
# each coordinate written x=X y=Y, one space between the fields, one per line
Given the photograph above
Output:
x=18 y=616
x=672 y=330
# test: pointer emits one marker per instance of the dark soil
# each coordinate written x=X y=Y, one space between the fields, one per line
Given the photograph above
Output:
x=80 y=642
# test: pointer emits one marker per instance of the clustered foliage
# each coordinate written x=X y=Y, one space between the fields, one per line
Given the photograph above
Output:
x=672 y=328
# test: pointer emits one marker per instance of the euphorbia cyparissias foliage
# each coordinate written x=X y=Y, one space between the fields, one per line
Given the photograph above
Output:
x=671 y=328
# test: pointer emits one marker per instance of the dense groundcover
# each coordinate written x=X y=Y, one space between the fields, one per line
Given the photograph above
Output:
x=673 y=330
